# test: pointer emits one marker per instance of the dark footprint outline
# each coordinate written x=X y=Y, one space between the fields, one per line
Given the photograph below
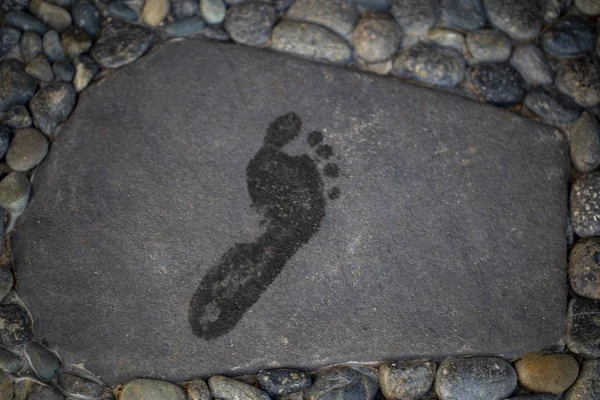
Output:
x=288 y=191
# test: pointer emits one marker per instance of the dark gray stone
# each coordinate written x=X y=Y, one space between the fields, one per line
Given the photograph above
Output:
x=343 y=383
x=521 y=20
x=27 y=149
x=44 y=363
x=584 y=268
x=498 y=83
x=185 y=27
x=339 y=16
x=552 y=9
x=475 y=378
x=569 y=37
x=30 y=46
x=585 y=208
x=17 y=87
x=225 y=388
x=6 y=276
x=86 y=16
x=431 y=63
x=281 y=382
x=489 y=45
x=584 y=139
x=531 y=64
x=375 y=5
x=463 y=14
x=216 y=33
x=52 y=15
x=250 y=23
x=535 y=397
x=25 y=22
x=40 y=69
x=79 y=386
x=9 y=361
x=15 y=325
x=376 y=37
x=9 y=38
x=53 y=47
x=64 y=71
x=75 y=40
x=552 y=107
x=579 y=78
x=120 y=43
x=408 y=380
x=587 y=385
x=5 y=134
x=135 y=218
x=16 y=117
x=6 y=386
x=85 y=70
x=40 y=392
x=51 y=106
x=583 y=324
x=416 y=17
x=9 y=5
x=184 y=8
x=121 y=10
x=62 y=3
x=14 y=192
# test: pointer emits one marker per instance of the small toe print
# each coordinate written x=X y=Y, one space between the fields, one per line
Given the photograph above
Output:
x=331 y=170
x=315 y=138
x=324 y=151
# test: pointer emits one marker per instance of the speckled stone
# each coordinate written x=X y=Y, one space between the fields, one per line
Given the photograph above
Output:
x=85 y=70
x=16 y=117
x=489 y=45
x=589 y=7
x=587 y=385
x=569 y=37
x=64 y=71
x=75 y=40
x=584 y=268
x=583 y=325
x=579 y=78
x=213 y=11
x=475 y=378
x=310 y=41
x=182 y=9
x=547 y=373
x=9 y=362
x=406 y=380
x=552 y=107
x=376 y=37
x=24 y=22
x=521 y=20
x=448 y=38
x=343 y=383
x=197 y=390
x=585 y=207
x=6 y=386
x=40 y=69
x=52 y=15
x=30 y=46
x=185 y=27
x=584 y=139
x=27 y=149
x=17 y=87
x=120 y=9
x=497 y=83
x=340 y=16
x=53 y=47
x=9 y=38
x=431 y=63
x=15 y=325
x=86 y=16
x=529 y=61
x=121 y=43
x=44 y=363
x=282 y=382
x=416 y=17
x=230 y=389
x=51 y=106
x=79 y=386
x=463 y=14
x=250 y=23
x=155 y=11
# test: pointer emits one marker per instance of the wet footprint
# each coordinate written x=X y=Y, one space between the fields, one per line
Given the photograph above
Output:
x=289 y=192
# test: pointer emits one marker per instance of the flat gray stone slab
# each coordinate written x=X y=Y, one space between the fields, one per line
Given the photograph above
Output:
x=184 y=225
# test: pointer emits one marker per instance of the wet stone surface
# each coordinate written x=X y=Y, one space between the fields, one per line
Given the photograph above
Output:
x=173 y=213
x=583 y=323
x=279 y=382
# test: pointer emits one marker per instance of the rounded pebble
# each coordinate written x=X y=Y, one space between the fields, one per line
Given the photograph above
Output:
x=431 y=63
x=121 y=43
x=64 y=71
x=584 y=268
x=583 y=325
x=197 y=390
x=54 y=16
x=16 y=117
x=9 y=38
x=27 y=149
x=184 y=8
x=25 y=22
x=17 y=87
x=475 y=378
x=225 y=388
x=6 y=279
x=213 y=11
x=416 y=17
x=585 y=208
x=151 y=389
x=498 y=83
x=120 y=10
x=85 y=70
x=569 y=37
x=155 y=11
x=40 y=69
x=521 y=20
x=79 y=386
x=337 y=16
x=6 y=387
x=448 y=38
x=587 y=385
x=529 y=61
x=464 y=14
x=552 y=107
x=250 y=23
x=86 y=16
x=375 y=5
x=53 y=47
x=281 y=382
x=376 y=37
x=579 y=78
x=51 y=106
x=489 y=45
x=589 y=7
x=584 y=139
x=548 y=373
x=310 y=41
x=406 y=381
x=44 y=363
x=9 y=362
x=75 y=40
x=30 y=46
x=343 y=383
x=185 y=27
x=15 y=325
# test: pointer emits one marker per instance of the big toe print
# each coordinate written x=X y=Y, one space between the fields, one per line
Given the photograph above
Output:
x=289 y=192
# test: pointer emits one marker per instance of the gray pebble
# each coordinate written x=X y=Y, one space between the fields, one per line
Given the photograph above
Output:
x=552 y=107
x=489 y=45
x=584 y=139
x=569 y=37
x=521 y=20
x=376 y=37
x=6 y=387
x=51 y=106
x=432 y=64
x=6 y=276
x=406 y=381
x=531 y=64
x=62 y=3
x=337 y=15
x=587 y=385
x=9 y=38
x=463 y=14
x=579 y=78
x=27 y=149
x=9 y=361
x=185 y=27
x=44 y=363
x=216 y=33
x=585 y=207
x=184 y=8
x=230 y=389
x=53 y=47
x=416 y=17
x=79 y=386
x=40 y=69
x=589 y=7
x=16 y=117
x=25 y=22
x=448 y=38
x=375 y=5
x=197 y=390
x=151 y=389
x=64 y=71
x=17 y=87
x=213 y=11
x=121 y=10
x=475 y=378
x=40 y=392
x=310 y=41
x=583 y=325
x=584 y=268
x=52 y=15
x=86 y=16
x=498 y=83
x=250 y=23
x=344 y=383
x=15 y=325
x=30 y=46
x=282 y=382
x=75 y=41
x=121 y=43
x=85 y=70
